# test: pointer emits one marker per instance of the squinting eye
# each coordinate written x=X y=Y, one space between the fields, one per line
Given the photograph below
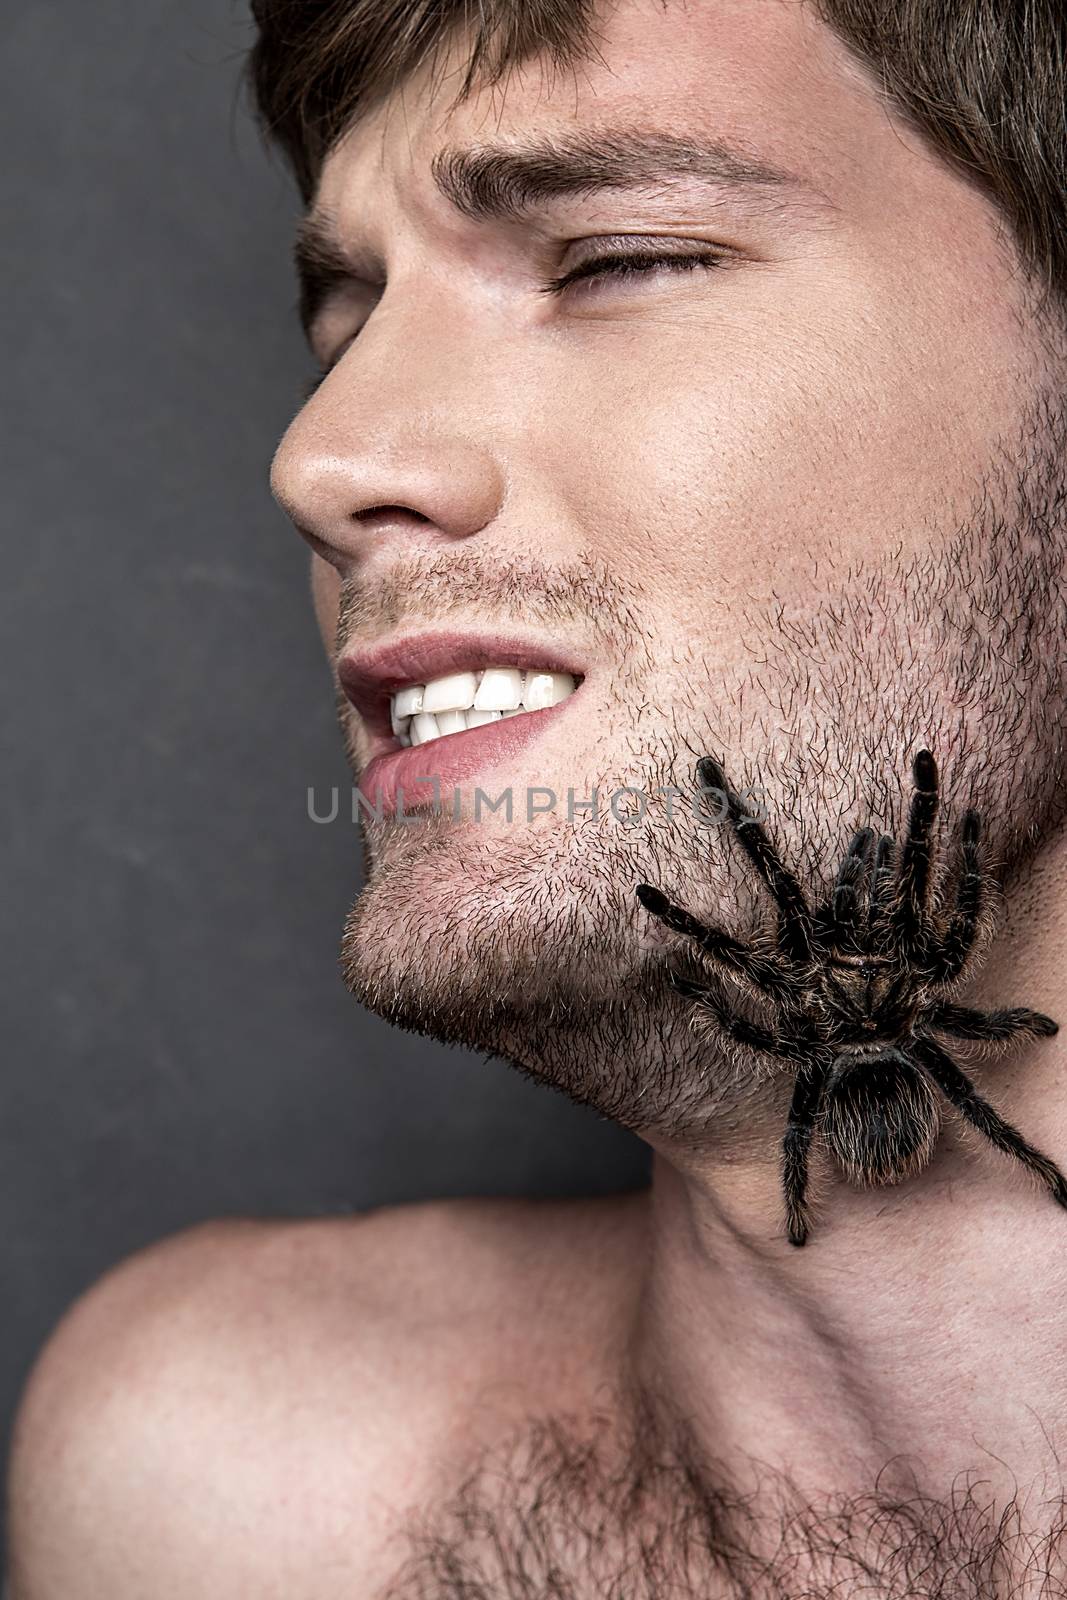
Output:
x=616 y=265
x=621 y=265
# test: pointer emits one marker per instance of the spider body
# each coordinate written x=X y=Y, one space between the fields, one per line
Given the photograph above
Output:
x=880 y=1118
x=860 y=985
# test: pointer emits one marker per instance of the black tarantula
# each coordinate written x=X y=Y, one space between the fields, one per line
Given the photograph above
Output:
x=859 y=986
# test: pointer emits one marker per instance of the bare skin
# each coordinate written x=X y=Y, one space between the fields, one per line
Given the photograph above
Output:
x=269 y=1409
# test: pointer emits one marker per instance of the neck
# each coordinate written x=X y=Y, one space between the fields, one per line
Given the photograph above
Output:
x=921 y=1324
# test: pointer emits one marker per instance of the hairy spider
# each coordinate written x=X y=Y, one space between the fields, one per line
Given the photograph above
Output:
x=859 y=986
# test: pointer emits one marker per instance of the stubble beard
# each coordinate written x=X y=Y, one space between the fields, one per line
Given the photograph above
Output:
x=528 y=943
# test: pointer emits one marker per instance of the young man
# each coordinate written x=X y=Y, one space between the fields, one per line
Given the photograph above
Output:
x=696 y=370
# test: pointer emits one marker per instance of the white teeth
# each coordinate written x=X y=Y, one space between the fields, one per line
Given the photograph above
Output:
x=546 y=689
x=471 y=700
x=499 y=690
x=408 y=701
x=454 y=693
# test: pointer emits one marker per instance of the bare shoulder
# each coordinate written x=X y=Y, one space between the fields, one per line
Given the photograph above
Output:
x=255 y=1406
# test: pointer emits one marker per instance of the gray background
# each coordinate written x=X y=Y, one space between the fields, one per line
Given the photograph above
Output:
x=177 y=1043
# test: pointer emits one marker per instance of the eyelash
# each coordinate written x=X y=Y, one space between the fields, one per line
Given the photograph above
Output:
x=619 y=264
x=616 y=265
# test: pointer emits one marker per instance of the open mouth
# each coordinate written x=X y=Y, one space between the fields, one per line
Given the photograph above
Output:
x=444 y=707
x=458 y=701
x=473 y=699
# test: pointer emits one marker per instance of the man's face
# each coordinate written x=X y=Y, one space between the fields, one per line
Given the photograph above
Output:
x=768 y=506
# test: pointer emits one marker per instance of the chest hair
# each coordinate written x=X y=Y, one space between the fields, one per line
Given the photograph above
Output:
x=570 y=1511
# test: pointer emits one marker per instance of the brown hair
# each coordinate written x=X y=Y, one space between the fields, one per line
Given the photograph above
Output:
x=984 y=80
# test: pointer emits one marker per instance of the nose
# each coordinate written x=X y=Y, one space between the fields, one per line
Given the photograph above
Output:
x=364 y=464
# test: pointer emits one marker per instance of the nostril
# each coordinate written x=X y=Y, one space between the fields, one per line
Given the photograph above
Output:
x=389 y=513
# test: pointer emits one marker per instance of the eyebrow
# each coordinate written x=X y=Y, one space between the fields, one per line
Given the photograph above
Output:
x=507 y=183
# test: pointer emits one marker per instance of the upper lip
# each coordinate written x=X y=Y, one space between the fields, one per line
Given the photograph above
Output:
x=372 y=675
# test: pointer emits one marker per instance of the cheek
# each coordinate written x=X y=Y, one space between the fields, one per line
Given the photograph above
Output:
x=325 y=593
x=706 y=476
x=831 y=431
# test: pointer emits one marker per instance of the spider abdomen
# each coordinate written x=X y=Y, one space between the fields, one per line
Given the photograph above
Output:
x=880 y=1117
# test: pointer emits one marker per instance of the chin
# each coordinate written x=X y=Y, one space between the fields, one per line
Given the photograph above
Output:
x=528 y=945
x=464 y=933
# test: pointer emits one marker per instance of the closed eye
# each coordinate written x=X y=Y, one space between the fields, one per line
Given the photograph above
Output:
x=622 y=265
x=618 y=265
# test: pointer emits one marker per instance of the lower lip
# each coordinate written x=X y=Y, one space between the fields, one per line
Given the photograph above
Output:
x=401 y=781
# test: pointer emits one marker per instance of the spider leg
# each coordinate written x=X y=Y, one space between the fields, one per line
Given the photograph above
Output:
x=835 y=922
x=911 y=910
x=794 y=913
x=960 y=1092
x=957 y=942
x=879 y=907
x=740 y=1028
x=796 y=1147
x=966 y=1023
x=737 y=957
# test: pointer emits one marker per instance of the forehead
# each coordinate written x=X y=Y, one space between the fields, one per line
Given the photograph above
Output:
x=765 y=76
